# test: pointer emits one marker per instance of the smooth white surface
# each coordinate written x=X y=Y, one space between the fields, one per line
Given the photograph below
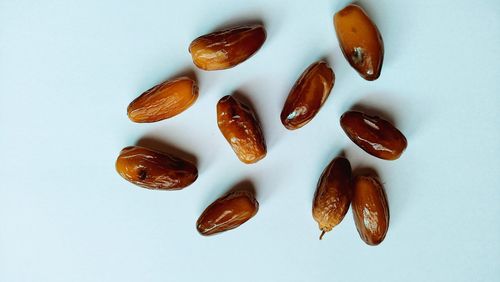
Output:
x=68 y=70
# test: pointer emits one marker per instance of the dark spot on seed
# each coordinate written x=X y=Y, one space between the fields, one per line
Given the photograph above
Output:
x=142 y=174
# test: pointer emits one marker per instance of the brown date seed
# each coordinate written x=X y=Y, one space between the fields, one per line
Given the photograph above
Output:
x=307 y=95
x=239 y=125
x=333 y=195
x=360 y=41
x=227 y=212
x=376 y=136
x=227 y=48
x=154 y=170
x=163 y=101
x=370 y=209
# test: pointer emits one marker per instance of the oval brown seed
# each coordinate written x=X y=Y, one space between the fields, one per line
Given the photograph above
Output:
x=227 y=212
x=370 y=209
x=360 y=41
x=239 y=125
x=227 y=48
x=154 y=170
x=307 y=95
x=163 y=101
x=376 y=136
x=333 y=195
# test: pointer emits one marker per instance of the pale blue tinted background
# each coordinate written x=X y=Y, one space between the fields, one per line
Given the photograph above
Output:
x=68 y=70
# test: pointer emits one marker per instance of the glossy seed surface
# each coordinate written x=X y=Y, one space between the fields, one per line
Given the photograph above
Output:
x=227 y=212
x=360 y=41
x=308 y=95
x=333 y=195
x=370 y=209
x=227 y=48
x=376 y=136
x=155 y=170
x=163 y=101
x=239 y=125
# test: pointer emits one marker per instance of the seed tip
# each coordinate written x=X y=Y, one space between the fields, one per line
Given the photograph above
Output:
x=322 y=233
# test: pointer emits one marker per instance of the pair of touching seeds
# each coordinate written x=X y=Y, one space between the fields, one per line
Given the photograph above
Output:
x=362 y=46
x=337 y=189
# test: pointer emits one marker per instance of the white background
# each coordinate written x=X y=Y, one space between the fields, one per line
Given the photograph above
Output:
x=68 y=70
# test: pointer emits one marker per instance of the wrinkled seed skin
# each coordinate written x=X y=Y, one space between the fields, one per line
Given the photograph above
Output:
x=370 y=209
x=360 y=41
x=227 y=48
x=239 y=125
x=333 y=194
x=308 y=95
x=376 y=136
x=163 y=101
x=154 y=170
x=227 y=212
